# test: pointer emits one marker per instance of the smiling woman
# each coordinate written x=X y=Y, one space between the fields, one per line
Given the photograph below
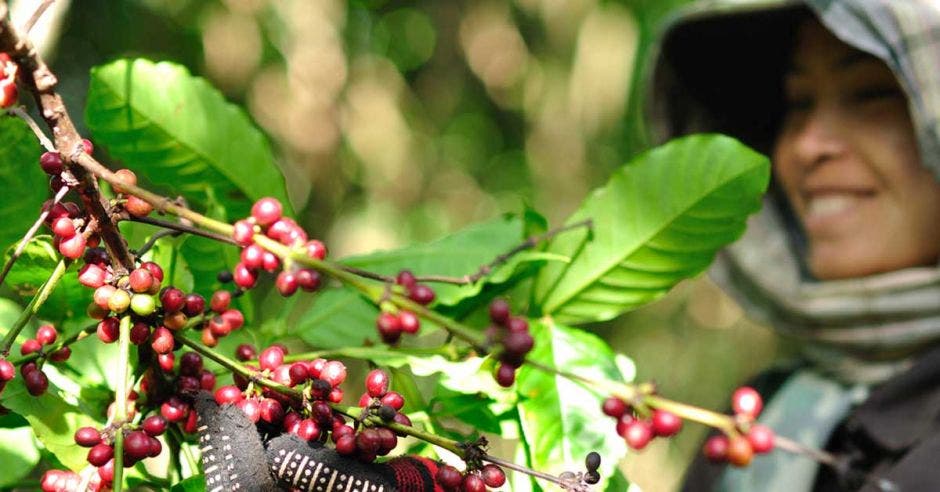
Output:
x=843 y=258
x=846 y=157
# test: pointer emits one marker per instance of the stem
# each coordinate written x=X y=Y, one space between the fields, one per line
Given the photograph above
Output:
x=30 y=233
x=120 y=403
x=181 y=228
x=33 y=307
x=36 y=15
x=79 y=335
x=43 y=139
x=36 y=75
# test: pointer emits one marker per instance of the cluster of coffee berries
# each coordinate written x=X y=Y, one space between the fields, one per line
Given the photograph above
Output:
x=51 y=163
x=512 y=334
x=35 y=380
x=379 y=401
x=266 y=217
x=225 y=319
x=68 y=481
x=451 y=480
x=65 y=220
x=173 y=391
x=139 y=444
x=638 y=431
x=750 y=438
x=8 y=93
x=393 y=322
x=134 y=205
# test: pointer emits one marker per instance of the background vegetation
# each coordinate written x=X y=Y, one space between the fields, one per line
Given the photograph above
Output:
x=398 y=122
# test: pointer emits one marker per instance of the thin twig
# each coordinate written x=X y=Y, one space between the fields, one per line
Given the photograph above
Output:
x=79 y=335
x=36 y=15
x=33 y=306
x=153 y=240
x=181 y=228
x=792 y=446
x=30 y=233
x=23 y=115
x=484 y=270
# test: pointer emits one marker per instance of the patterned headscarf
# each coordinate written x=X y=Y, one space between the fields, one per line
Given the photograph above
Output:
x=719 y=68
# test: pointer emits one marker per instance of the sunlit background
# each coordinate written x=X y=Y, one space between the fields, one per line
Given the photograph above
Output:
x=401 y=121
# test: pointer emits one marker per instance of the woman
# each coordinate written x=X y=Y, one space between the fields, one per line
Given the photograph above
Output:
x=845 y=98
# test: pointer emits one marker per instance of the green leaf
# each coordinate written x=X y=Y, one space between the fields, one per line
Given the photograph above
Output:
x=32 y=269
x=619 y=483
x=24 y=182
x=659 y=219
x=561 y=419
x=177 y=130
x=54 y=421
x=18 y=453
x=456 y=255
x=338 y=318
x=195 y=483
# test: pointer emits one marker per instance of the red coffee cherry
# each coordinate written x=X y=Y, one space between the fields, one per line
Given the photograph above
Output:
x=505 y=375
x=51 y=163
x=499 y=311
x=377 y=383
x=638 y=434
x=228 y=394
x=761 y=438
x=63 y=227
x=29 y=346
x=614 y=407
x=243 y=232
x=449 y=477
x=220 y=301
x=665 y=423
x=73 y=247
x=716 y=448
x=137 y=445
x=154 y=425
x=333 y=372
x=493 y=476
x=137 y=207
x=93 y=276
x=266 y=211
x=100 y=454
x=473 y=483
x=747 y=401
x=7 y=370
x=87 y=437
x=46 y=334
x=410 y=323
x=271 y=358
x=195 y=305
x=140 y=280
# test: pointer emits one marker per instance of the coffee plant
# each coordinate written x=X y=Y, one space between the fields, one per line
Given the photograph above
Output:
x=140 y=349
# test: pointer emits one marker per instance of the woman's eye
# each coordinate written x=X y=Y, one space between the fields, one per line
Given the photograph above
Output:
x=875 y=94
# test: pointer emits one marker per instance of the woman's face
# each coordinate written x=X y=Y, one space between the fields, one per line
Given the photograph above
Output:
x=846 y=157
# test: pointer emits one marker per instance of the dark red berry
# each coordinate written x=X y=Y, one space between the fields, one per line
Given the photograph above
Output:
x=346 y=445
x=228 y=394
x=665 y=423
x=190 y=364
x=614 y=407
x=393 y=399
x=761 y=438
x=308 y=279
x=219 y=326
x=140 y=333
x=272 y=411
x=449 y=477
x=46 y=334
x=245 y=352
x=61 y=355
x=155 y=270
x=195 y=305
x=137 y=445
x=270 y=261
x=252 y=257
x=87 y=146
x=172 y=299
x=298 y=373
x=499 y=311
x=51 y=163
x=473 y=483
x=406 y=279
x=716 y=448
x=422 y=294
x=207 y=380
x=154 y=425
x=368 y=441
x=165 y=361
x=87 y=437
x=108 y=330
x=516 y=323
x=377 y=383
x=389 y=326
x=234 y=318
x=308 y=430
x=100 y=454
x=493 y=476
x=505 y=375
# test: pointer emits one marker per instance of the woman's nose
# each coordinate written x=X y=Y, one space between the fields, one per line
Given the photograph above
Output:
x=820 y=135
